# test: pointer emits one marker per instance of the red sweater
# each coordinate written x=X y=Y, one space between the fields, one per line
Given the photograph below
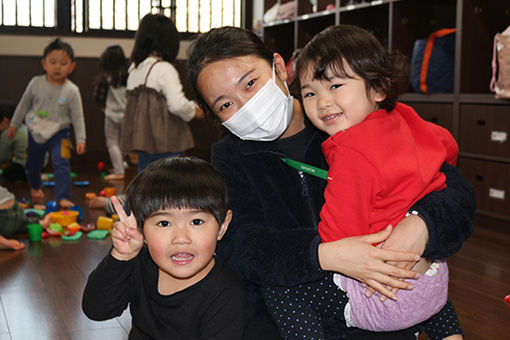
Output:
x=379 y=168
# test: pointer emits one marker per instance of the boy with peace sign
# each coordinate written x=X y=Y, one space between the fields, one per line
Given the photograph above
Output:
x=162 y=262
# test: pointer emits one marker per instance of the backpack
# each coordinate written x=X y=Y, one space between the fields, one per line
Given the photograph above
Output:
x=500 y=82
x=148 y=126
x=432 y=62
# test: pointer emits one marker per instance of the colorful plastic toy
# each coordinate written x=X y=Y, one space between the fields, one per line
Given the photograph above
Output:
x=34 y=212
x=74 y=236
x=104 y=223
x=55 y=229
x=90 y=196
x=51 y=206
x=88 y=227
x=64 y=217
x=81 y=183
x=97 y=234
x=109 y=191
x=73 y=227
x=100 y=166
x=78 y=209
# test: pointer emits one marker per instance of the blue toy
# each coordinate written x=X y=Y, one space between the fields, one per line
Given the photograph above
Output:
x=81 y=183
x=78 y=209
x=51 y=206
x=48 y=184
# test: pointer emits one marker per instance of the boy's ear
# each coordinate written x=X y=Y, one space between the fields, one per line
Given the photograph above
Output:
x=43 y=64
x=73 y=65
x=224 y=226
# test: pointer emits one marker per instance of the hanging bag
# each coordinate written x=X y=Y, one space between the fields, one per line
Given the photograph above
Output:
x=432 y=62
x=500 y=82
x=148 y=126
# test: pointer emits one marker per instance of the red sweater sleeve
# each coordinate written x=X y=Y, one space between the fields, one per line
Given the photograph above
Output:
x=349 y=195
x=449 y=143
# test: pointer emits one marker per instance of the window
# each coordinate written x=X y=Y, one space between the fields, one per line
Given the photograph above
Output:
x=28 y=13
x=118 y=15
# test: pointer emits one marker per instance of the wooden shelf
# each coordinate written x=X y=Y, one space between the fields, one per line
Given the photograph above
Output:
x=470 y=112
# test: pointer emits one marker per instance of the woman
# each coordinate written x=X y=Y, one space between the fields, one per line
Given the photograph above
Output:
x=273 y=238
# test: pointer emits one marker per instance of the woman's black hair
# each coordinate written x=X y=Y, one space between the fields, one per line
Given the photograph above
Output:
x=365 y=55
x=58 y=44
x=177 y=182
x=218 y=44
x=156 y=33
x=114 y=65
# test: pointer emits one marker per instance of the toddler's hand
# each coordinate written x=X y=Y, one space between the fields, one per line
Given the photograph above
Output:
x=80 y=148
x=12 y=132
x=127 y=239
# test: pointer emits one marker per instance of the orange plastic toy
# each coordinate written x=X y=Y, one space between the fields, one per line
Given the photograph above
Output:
x=109 y=191
x=64 y=217
x=104 y=223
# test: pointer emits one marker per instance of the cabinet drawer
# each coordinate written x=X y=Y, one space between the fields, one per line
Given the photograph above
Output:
x=485 y=129
x=437 y=113
x=491 y=181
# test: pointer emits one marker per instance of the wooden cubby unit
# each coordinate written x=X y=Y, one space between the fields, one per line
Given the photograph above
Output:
x=479 y=122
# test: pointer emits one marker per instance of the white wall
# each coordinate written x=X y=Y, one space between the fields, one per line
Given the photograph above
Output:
x=84 y=47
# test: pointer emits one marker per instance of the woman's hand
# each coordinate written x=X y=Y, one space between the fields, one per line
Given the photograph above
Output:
x=127 y=239
x=410 y=234
x=356 y=257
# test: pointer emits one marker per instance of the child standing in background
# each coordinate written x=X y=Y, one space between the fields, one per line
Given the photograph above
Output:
x=382 y=159
x=114 y=74
x=50 y=103
x=157 y=110
x=162 y=263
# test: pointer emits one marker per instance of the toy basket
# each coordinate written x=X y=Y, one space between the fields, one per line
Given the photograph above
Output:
x=65 y=217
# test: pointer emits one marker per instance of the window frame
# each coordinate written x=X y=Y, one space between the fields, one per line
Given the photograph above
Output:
x=63 y=28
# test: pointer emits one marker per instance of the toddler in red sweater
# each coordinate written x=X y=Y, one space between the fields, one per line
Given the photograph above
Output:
x=382 y=159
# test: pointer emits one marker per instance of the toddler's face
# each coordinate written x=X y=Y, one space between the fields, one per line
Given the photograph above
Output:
x=58 y=65
x=182 y=244
x=337 y=103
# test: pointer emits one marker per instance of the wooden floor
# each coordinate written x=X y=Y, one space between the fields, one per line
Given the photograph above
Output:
x=41 y=287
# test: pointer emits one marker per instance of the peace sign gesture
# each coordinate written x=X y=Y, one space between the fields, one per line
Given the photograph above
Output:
x=127 y=239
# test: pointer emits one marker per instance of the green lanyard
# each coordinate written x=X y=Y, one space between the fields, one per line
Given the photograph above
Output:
x=309 y=169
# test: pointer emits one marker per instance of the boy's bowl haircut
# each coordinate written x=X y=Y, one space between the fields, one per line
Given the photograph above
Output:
x=177 y=182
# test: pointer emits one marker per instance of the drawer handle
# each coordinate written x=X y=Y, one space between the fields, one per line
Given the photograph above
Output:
x=497 y=194
x=479 y=178
x=498 y=136
x=480 y=122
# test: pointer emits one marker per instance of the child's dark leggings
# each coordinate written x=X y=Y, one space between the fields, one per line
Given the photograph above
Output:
x=298 y=311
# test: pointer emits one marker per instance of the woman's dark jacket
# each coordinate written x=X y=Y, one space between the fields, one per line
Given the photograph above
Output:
x=272 y=239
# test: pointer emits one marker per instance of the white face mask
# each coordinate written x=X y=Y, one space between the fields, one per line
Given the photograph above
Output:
x=265 y=116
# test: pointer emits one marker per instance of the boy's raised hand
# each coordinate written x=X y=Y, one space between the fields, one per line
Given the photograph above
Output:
x=127 y=239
